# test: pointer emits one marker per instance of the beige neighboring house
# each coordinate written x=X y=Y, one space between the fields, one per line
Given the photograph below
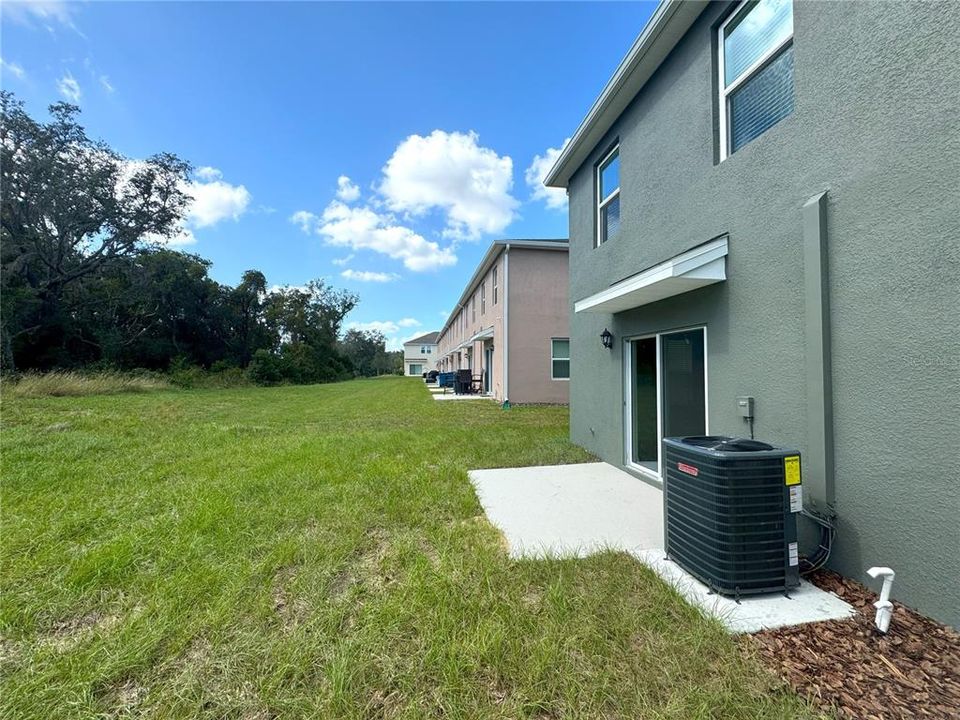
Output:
x=511 y=325
x=420 y=355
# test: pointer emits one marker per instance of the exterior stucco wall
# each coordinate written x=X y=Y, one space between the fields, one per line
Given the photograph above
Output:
x=539 y=302
x=487 y=316
x=412 y=355
x=876 y=126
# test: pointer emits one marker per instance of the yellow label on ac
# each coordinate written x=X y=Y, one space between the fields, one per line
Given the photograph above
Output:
x=791 y=469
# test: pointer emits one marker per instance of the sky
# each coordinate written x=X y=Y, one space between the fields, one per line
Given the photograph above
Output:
x=379 y=146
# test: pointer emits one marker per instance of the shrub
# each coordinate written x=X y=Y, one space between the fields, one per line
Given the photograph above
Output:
x=221 y=375
x=265 y=368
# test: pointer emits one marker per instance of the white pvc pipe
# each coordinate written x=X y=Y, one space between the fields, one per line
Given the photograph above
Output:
x=883 y=605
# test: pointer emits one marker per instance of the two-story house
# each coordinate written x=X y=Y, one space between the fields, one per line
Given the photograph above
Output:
x=510 y=326
x=420 y=355
x=765 y=203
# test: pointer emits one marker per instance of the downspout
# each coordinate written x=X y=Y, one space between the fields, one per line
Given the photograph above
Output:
x=819 y=459
x=506 y=324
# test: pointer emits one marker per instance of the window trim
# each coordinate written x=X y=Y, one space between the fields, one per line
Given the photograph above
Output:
x=723 y=92
x=483 y=299
x=554 y=358
x=599 y=202
x=494 y=282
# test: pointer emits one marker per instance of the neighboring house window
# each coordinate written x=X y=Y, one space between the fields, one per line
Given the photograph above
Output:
x=494 y=285
x=423 y=349
x=608 y=196
x=416 y=369
x=560 y=358
x=756 y=71
x=483 y=299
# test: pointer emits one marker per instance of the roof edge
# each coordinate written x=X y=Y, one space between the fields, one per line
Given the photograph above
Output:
x=669 y=22
x=434 y=335
x=496 y=247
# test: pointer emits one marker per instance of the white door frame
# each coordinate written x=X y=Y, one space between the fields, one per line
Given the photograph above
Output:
x=628 y=396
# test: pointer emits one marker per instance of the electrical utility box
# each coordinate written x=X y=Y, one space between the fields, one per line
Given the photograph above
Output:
x=730 y=507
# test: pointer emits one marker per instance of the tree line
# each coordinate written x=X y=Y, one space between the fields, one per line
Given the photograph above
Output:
x=86 y=279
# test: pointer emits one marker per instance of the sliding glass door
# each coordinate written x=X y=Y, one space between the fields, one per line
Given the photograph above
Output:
x=666 y=393
x=645 y=427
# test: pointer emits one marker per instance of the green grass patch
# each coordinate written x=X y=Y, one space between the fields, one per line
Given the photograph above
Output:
x=319 y=552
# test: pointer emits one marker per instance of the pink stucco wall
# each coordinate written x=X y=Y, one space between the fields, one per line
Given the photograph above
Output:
x=539 y=311
x=468 y=321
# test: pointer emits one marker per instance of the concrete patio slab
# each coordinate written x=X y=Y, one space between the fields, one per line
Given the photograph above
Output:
x=577 y=510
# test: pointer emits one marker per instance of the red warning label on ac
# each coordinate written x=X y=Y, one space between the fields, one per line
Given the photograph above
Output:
x=688 y=469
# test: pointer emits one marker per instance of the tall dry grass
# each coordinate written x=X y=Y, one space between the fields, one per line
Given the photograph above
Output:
x=63 y=383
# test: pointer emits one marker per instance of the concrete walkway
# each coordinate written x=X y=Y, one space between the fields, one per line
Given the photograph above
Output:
x=576 y=510
x=452 y=396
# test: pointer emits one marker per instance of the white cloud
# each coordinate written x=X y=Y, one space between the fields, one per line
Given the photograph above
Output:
x=340 y=262
x=105 y=84
x=555 y=198
x=390 y=329
x=13 y=68
x=212 y=202
x=387 y=327
x=444 y=314
x=44 y=12
x=208 y=173
x=69 y=87
x=307 y=221
x=215 y=200
x=369 y=276
x=452 y=173
x=346 y=190
x=182 y=236
x=361 y=228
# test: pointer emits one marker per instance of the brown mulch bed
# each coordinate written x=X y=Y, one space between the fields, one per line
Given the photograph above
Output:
x=849 y=667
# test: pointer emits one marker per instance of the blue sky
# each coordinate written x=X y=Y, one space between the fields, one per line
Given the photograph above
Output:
x=381 y=147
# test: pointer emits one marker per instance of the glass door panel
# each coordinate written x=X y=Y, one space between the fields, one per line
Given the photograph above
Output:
x=684 y=395
x=644 y=402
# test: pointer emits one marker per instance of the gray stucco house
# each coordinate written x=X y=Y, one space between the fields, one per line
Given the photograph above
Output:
x=765 y=202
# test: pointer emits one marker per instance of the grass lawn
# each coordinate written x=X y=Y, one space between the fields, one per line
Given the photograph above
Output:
x=319 y=552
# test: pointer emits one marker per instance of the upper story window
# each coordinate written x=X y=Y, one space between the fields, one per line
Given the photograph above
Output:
x=473 y=307
x=756 y=71
x=495 y=291
x=608 y=196
x=483 y=299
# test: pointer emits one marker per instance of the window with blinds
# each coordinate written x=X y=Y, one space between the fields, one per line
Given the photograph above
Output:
x=608 y=196
x=756 y=71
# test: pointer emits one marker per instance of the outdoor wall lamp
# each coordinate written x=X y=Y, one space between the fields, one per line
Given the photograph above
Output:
x=606 y=337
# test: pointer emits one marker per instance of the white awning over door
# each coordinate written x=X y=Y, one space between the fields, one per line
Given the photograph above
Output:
x=696 y=268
